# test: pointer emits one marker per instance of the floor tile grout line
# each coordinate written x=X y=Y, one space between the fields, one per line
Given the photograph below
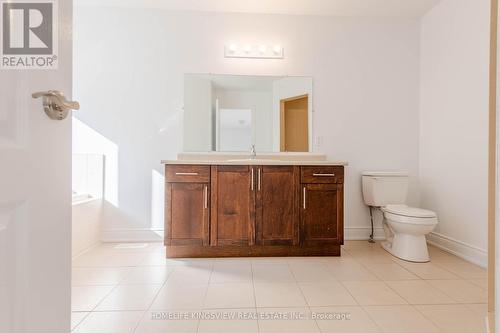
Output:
x=400 y=266
x=118 y=284
x=350 y=293
x=458 y=301
x=212 y=267
x=253 y=286
x=91 y=248
x=81 y=321
x=307 y=303
x=97 y=304
x=359 y=262
x=455 y=277
x=432 y=262
x=102 y=299
x=139 y=321
x=427 y=317
x=429 y=285
x=387 y=304
x=363 y=308
x=254 y=297
x=305 y=300
x=94 y=310
x=298 y=286
x=450 y=271
x=174 y=267
x=159 y=290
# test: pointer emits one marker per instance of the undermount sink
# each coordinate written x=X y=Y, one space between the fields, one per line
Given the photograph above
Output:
x=250 y=160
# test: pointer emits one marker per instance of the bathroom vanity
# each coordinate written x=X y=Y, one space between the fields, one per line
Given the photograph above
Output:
x=253 y=207
x=284 y=202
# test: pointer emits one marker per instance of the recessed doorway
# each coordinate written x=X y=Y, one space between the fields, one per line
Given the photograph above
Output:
x=294 y=126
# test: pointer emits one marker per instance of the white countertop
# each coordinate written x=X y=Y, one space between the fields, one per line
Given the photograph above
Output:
x=216 y=156
x=252 y=162
x=242 y=158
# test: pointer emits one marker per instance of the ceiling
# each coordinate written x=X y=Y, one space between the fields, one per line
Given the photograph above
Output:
x=374 y=8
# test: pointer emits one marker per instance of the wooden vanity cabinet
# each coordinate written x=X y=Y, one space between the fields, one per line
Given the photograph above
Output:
x=322 y=217
x=233 y=205
x=277 y=205
x=255 y=205
x=187 y=204
x=247 y=210
x=322 y=214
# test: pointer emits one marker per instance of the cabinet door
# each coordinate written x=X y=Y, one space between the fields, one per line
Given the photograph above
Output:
x=233 y=205
x=187 y=214
x=322 y=214
x=277 y=205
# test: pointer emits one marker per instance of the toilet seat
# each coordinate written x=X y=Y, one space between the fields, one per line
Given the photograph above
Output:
x=410 y=215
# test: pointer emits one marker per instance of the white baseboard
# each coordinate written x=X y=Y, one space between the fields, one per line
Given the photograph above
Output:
x=363 y=233
x=461 y=249
x=131 y=235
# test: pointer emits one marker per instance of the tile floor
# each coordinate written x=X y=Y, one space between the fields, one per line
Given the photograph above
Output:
x=132 y=288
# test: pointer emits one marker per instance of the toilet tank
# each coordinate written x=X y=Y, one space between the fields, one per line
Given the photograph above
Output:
x=381 y=188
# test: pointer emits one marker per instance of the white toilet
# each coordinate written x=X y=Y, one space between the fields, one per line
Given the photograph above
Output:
x=405 y=227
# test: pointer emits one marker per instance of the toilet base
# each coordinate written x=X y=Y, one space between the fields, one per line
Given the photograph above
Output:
x=408 y=247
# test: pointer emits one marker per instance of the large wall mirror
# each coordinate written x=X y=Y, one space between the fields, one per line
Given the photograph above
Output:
x=230 y=113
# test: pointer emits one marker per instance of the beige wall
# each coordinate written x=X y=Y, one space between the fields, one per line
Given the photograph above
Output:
x=454 y=74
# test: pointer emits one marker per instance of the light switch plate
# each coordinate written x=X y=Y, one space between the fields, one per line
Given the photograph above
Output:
x=318 y=141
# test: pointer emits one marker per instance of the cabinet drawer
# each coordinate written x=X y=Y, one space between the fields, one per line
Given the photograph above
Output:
x=322 y=174
x=187 y=173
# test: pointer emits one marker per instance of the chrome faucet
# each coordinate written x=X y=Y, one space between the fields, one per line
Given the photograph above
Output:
x=252 y=151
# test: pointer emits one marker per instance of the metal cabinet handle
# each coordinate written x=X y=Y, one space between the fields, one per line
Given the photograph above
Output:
x=205 y=196
x=323 y=174
x=252 y=181
x=186 y=173
x=258 y=179
x=304 y=197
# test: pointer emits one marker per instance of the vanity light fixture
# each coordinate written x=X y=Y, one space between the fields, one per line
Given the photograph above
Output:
x=233 y=47
x=258 y=51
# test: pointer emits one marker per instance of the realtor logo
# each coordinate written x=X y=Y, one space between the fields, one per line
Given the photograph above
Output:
x=29 y=35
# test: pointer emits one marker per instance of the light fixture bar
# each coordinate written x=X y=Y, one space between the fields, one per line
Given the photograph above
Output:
x=257 y=51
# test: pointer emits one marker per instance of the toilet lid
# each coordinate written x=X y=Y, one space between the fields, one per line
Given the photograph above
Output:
x=408 y=211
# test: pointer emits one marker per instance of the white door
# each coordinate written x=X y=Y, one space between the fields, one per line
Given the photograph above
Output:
x=35 y=182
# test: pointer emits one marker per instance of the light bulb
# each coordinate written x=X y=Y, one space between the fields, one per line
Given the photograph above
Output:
x=277 y=49
x=247 y=48
x=262 y=49
x=233 y=47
